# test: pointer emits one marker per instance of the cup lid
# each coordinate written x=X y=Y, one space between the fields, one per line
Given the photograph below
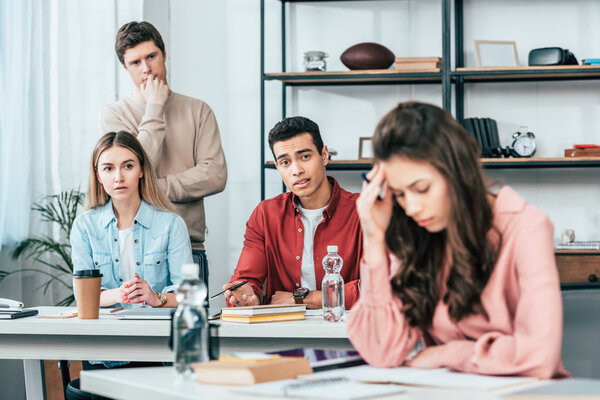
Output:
x=87 y=273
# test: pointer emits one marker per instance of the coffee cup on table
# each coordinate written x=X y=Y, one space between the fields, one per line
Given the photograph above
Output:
x=87 y=292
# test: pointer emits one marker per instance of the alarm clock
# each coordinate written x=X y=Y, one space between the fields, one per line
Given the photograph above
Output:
x=523 y=145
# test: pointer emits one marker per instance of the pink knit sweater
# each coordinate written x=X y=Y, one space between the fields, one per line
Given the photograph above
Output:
x=522 y=298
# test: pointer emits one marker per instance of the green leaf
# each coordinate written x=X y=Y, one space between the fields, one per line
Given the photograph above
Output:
x=60 y=209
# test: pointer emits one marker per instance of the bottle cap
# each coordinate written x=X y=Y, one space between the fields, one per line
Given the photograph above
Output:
x=190 y=270
x=332 y=249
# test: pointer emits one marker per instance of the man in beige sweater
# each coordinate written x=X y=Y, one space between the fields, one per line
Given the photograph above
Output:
x=179 y=133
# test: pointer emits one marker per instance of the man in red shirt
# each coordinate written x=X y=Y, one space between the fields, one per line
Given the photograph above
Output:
x=287 y=236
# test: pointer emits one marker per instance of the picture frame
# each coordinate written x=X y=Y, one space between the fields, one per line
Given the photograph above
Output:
x=496 y=53
x=365 y=148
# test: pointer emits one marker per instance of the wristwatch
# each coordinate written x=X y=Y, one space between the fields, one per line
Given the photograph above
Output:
x=163 y=299
x=300 y=294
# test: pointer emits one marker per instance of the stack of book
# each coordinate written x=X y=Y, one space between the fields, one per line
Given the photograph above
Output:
x=11 y=309
x=249 y=371
x=418 y=64
x=580 y=245
x=583 y=150
x=266 y=313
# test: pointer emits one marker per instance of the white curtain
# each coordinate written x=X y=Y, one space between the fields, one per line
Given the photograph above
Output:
x=58 y=68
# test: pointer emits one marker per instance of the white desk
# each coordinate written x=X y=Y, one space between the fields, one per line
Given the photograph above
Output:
x=161 y=383
x=34 y=339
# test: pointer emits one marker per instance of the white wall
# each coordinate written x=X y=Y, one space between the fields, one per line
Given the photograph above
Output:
x=215 y=55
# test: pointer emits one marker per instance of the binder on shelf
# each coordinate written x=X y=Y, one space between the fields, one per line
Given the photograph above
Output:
x=484 y=135
x=492 y=130
x=468 y=125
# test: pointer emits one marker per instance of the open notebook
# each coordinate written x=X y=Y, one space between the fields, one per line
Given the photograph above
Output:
x=440 y=378
x=326 y=389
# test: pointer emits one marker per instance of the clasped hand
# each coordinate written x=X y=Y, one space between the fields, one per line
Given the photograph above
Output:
x=138 y=291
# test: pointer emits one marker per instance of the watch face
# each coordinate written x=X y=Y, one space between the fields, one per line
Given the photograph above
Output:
x=524 y=146
x=301 y=292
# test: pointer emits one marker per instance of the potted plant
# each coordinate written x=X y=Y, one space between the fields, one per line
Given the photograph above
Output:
x=60 y=209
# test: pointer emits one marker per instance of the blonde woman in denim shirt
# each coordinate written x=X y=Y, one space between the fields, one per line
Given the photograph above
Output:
x=129 y=232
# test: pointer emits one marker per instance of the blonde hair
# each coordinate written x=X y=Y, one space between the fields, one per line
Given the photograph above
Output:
x=148 y=187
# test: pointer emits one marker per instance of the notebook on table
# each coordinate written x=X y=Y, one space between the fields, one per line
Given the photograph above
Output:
x=145 y=313
x=157 y=313
x=325 y=389
x=439 y=378
x=576 y=389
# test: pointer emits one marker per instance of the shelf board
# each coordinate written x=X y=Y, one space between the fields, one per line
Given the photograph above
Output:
x=576 y=252
x=339 y=165
x=557 y=162
x=368 y=76
x=489 y=163
x=557 y=72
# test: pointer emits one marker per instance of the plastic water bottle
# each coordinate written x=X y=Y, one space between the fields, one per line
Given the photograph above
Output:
x=332 y=286
x=190 y=322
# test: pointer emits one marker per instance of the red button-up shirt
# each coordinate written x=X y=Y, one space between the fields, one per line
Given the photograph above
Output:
x=274 y=240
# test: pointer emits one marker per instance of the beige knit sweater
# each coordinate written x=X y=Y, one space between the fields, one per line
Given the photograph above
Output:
x=183 y=143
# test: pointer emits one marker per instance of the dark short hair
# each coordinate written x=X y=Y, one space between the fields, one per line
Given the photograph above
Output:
x=133 y=33
x=294 y=126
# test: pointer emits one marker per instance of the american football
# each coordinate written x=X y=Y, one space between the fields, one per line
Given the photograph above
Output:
x=367 y=55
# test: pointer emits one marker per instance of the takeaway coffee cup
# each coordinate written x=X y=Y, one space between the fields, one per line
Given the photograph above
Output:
x=87 y=293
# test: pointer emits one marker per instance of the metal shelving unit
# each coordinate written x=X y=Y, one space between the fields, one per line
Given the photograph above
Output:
x=462 y=75
x=346 y=78
x=488 y=163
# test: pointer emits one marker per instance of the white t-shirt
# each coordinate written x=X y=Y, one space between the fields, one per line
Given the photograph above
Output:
x=126 y=255
x=310 y=219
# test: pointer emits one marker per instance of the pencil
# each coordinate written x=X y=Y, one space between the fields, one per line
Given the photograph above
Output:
x=231 y=288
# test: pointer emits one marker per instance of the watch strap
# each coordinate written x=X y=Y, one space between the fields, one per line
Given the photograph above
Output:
x=163 y=299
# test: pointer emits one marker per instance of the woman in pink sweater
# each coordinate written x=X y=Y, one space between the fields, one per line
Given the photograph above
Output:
x=470 y=272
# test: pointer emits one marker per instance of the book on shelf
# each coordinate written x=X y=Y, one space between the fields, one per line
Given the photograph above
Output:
x=416 y=66
x=409 y=60
x=591 y=61
x=580 y=245
x=250 y=372
x=583 y=152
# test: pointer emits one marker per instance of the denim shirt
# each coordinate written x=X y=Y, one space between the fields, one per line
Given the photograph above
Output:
x=161 y=245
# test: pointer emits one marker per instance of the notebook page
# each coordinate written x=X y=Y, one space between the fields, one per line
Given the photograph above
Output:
x=334 y=389
x=366 y=373
x=441 y=377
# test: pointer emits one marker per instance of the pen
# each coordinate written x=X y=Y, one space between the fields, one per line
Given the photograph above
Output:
x=116 y=309
x=231 y=288
x=364 y=176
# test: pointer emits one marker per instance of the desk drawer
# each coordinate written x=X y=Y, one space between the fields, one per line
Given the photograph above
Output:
x=578 y=268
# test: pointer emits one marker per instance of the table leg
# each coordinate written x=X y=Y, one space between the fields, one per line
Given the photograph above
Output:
x=35 y=386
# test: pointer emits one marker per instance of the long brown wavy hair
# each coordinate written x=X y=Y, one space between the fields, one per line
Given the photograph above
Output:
x=148 y=187
x=425 y=132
